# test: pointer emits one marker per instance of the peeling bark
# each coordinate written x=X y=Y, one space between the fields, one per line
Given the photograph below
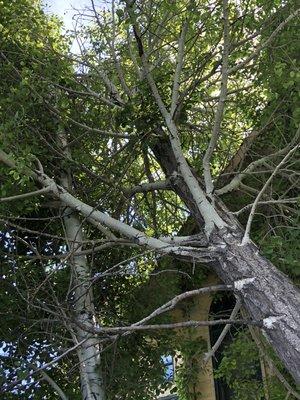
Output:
x=266 y=293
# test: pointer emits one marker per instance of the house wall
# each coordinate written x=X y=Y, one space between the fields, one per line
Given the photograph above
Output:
x=198 y=310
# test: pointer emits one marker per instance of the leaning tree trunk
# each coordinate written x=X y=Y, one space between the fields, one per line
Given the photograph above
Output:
x=267 y=294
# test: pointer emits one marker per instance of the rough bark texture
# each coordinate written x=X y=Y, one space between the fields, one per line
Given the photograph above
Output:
x=267 y=294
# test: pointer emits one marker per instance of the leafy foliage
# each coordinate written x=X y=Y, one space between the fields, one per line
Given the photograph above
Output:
x=103 y=104
x=189 y=368
x=240 y=368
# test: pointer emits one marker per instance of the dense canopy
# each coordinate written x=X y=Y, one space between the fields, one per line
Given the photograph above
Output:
x=164 y=151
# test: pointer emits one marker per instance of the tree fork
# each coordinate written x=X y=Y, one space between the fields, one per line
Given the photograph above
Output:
x=266 y=293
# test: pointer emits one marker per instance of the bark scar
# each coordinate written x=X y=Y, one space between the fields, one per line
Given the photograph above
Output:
x=268 y=323
x=240 y=284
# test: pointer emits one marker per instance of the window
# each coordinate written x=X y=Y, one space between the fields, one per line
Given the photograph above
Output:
x=223 y=306
x=169 y=367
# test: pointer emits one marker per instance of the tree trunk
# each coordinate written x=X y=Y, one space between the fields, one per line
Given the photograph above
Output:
x=267 y=294
x=92 y=386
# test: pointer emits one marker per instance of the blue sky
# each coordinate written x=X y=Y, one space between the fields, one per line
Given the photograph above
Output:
x=65 y=9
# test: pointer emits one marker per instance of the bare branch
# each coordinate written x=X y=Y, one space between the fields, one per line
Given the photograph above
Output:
x=147 y=187
x=237 y=180
x=265 y=43
x=246 y=238
x=198 y=239
x=294 y=200
x=208 y=212
x=221 y=105
x=180 y=57
x=25 y=195
x=224 y=332
x=88 y=211
x=177 y=325
x=95 y=130
x=101 y=228
x=88 y=93
x=51 y=382
x=170 y=305
x=111 y=44
x=43 y=367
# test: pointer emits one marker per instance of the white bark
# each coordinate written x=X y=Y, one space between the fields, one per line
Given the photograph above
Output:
x=25 y=195
x=265 y=291
x=220 y=108
x=180 y=57
x=265 y=43
x=92 y=385
x=209 y=213
x=89 y=353
x=246 y=238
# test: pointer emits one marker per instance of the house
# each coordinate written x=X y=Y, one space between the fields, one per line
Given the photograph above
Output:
x=204 y=387
x=199 y=310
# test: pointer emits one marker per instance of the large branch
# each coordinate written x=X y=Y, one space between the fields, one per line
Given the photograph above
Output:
x=265 y=292
x=220 y=108
x=238 y=179
x=89 y=212
x=210 y=216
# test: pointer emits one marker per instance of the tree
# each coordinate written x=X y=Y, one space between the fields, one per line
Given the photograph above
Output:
x=163 y=116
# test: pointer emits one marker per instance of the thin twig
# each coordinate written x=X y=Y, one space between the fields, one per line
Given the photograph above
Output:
x=43 y=367
x=224 y=332
x=25 y=195
x=51 y=382
x=246 y=237
x=265 y=43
